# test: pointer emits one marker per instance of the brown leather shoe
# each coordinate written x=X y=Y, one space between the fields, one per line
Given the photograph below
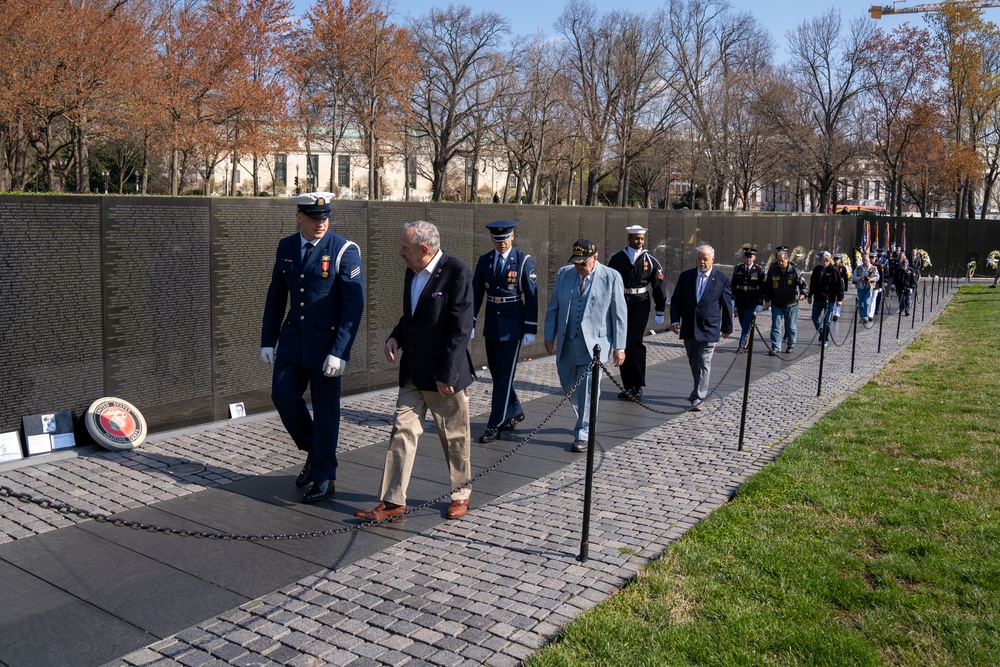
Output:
x=457 y=509
x=380 y=512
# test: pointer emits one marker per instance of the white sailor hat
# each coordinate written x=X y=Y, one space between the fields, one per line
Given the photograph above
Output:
x=314 y=204
x=635 y=229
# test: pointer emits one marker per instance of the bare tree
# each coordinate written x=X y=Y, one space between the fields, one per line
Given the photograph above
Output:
x=531 y=112
x=756 y=153
x=457 y=49
x=594 y=89
x=900 y=72
x=827 y=77
x=709 y=46
x=645 y=109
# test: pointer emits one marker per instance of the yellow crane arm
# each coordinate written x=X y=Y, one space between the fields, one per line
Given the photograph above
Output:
x=877 y=11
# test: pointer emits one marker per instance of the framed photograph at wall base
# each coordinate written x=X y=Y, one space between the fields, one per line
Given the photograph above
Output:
x=237 y=410
x=10 y=447
x=48 y=431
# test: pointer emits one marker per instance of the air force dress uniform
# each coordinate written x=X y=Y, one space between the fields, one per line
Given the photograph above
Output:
x=748 y=292
x=508 y=284
x=321 y=285
x=643 y=277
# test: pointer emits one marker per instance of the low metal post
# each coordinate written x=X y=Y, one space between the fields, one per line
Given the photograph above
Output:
x=899 y=320
x=913 y=310
x=595 y=391
x=881 y=320
x=923 y=301
x=822 y=349
x=854 y=336
x=746 y=381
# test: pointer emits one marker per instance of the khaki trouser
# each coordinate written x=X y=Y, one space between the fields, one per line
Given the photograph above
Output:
x=451 y=417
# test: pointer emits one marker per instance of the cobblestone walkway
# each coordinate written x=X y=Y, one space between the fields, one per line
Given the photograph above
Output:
x=497 y=585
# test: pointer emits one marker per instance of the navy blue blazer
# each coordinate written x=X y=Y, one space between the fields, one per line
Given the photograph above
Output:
x=516 y=280
x=434 y=340
x=327 y=301
x=705 y=320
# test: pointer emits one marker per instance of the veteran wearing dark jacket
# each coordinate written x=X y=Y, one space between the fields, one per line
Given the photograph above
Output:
x=431 y=344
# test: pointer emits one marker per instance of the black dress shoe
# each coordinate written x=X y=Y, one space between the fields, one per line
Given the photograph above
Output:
x=319 y=491
x=306 y=475
x=623 y=395
x=636 y=393
x=489 y=435
x=509 y=423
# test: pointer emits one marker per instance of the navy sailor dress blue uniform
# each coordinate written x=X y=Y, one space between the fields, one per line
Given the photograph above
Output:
x=511 y=296
x=324 y=296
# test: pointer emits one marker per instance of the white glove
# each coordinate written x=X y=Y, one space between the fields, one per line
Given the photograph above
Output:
x=758 y=309
x=473 y=334
x=528 y=339
x=658 y=319
x=267 y=355
x=333 y=366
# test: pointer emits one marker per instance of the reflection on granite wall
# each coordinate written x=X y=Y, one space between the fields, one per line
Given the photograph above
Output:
x=159 y=300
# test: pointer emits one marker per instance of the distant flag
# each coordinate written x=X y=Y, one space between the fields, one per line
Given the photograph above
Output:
x=865 y=235
x=902 y=238
x=888 y=236
x=875 y=238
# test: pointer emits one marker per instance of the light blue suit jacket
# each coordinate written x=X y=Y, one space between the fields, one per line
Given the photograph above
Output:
x=605 y=316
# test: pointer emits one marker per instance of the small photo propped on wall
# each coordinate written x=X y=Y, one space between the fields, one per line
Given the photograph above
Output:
x=48 y=431
x=10 y=447
x=237 y=410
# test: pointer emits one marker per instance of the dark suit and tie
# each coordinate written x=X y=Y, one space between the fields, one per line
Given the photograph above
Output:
x=431 y=342
x=701 y=309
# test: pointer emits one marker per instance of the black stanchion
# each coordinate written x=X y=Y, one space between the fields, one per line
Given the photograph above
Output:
x=899 y=320
x=854 y=335
x=912 y=309
x=588 y=489
x=881 y=319
x=923 y=301
x=746 y=382
x=822 y=350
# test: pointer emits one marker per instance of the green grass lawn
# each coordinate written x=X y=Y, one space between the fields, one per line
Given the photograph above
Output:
x=874 y=539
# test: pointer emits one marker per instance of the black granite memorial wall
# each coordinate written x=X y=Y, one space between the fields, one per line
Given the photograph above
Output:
x=950 y=243
x=159 y=300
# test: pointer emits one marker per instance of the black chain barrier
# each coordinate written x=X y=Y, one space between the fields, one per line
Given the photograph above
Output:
x=846 y=336
x=778 y=353
x=100 y=517
x=635 y=400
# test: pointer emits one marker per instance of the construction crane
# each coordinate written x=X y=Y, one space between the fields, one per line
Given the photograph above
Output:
x=877 y=11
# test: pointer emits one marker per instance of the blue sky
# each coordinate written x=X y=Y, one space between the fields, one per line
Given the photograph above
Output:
x=528 y=16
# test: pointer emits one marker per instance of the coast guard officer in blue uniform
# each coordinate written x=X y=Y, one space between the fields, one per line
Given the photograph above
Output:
x=317 y=276
x=505 y=278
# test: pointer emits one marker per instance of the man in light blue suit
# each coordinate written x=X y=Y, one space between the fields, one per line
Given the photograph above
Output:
x=587 y=308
